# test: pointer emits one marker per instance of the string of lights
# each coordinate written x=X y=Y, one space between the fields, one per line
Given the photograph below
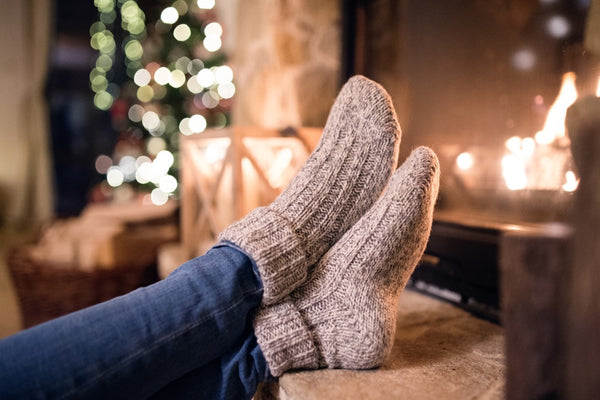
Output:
x=178 y=83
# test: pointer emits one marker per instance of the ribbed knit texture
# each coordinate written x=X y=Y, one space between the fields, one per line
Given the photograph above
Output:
x=341 y=179
x=344 y=316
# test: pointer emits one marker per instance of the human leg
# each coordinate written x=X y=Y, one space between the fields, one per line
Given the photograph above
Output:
x=344 y=315
x=340 y=181
x=142 y=341
x=233 y=376
x=133 y=345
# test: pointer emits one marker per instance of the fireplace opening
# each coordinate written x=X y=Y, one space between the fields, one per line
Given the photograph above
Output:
x=486 y=84
x=480 y=82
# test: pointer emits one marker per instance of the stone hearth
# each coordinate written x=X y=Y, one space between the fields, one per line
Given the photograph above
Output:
x=440 y=352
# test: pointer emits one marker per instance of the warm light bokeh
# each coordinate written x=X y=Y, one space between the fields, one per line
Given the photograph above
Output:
x=554 y=127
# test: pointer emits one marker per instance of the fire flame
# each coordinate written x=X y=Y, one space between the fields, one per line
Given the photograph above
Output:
x=554 y=128
x=523 y=158
x=533 y=164
x=571 y=182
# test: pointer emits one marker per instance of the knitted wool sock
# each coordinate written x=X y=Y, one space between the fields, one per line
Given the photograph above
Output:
x=340 y=180
x=344 y=316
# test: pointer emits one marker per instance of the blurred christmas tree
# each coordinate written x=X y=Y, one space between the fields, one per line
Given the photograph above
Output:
x=159 y=73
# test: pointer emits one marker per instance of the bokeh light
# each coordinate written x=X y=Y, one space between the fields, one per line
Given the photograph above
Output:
x=558 y=26
x=103 y=100
x=159 y=197
x=181 y=7
x=195 y=66
x=197 y=123
x=212 y=43
x=167 y=184
x=206 y=77
x=104 y=62
x=169 y=15
x=142 y=77
x=524 y=59
x=182 y=64
x=155 y=145
x=184 y=127
x=103 y=163
x=148 y=98
x=135 y=113
x=114 y=176
x=193 y=85
x=143 y=174
x=162 y=76
x=134 y=50
x=213 y=29
x=127 y=165
x=145 y=94
x=210 y=99
x=223 y=74
x=177 y=79
x=104 y=5
x=182 y=32
x=150 y=120
x=226 y=90
x=206 y=4
x=99 y=83
x=465 y=161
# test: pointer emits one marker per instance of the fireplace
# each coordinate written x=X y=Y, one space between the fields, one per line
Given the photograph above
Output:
x=486 y=84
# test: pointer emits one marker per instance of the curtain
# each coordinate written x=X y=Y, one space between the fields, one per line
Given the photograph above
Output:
x=26 y=190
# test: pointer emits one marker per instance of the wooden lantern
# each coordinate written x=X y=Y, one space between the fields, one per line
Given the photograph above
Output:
x=225 y=173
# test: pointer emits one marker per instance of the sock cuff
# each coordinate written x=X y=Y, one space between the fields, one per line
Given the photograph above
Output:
x=285 y=339
x=270 y=240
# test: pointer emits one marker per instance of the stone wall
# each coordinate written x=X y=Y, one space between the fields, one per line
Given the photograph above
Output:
x=286 y=61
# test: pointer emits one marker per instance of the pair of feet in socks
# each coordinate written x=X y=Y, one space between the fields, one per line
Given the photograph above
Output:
x=333 y=252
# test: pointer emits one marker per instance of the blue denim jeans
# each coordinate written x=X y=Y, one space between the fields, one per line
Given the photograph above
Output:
x=187 y=336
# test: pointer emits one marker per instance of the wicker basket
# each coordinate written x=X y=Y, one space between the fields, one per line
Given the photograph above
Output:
x=47 y=291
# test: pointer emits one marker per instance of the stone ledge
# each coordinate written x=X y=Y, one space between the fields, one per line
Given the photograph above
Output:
x=440 y=351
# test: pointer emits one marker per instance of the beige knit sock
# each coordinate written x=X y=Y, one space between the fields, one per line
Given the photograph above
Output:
x=344 y=316
x=340 y=180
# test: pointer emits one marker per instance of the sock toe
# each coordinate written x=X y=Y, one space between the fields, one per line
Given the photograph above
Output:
x=374 y=103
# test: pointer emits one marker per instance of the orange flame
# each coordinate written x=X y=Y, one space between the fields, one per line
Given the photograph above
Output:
x=554 y=127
